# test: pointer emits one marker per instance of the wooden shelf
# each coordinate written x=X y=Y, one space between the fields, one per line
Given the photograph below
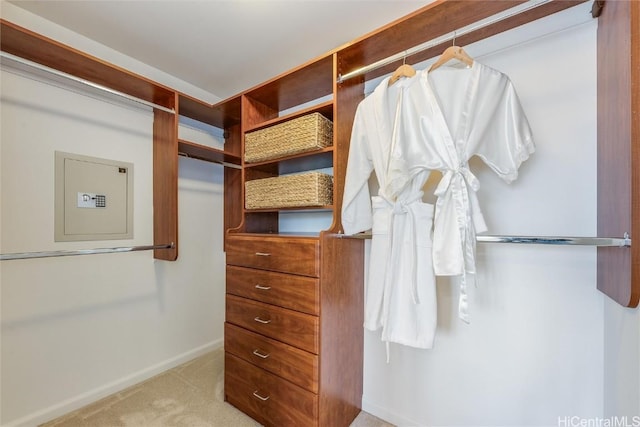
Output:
x=286 y=234
x=48 y=52
x=209 y=154
x=325 y=108
x=297 y=208
x=310 y=160
x=221 y=115
x=298 y=86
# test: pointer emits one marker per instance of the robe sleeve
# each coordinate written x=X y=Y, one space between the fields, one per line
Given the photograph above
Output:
x=502 y=130
x=356 y=202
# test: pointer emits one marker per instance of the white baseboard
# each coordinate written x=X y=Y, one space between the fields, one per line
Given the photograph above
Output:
x=388 y=416
x=105 y=390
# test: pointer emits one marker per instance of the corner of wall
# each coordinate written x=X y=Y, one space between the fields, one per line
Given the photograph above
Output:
x=621 y=393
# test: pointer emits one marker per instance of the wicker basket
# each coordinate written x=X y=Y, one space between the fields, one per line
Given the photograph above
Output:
x=302 y=190
x=306 y=133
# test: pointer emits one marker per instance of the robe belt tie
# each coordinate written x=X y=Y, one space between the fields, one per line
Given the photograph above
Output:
x=457 y=183
x=398 y=209
x=462 y=172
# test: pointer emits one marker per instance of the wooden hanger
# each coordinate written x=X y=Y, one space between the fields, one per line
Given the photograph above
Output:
x=405 y=70
x=452 y=52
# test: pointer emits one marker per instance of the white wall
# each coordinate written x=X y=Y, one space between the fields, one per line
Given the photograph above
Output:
x=75 y=329
x=622 y=362
x=541 y=346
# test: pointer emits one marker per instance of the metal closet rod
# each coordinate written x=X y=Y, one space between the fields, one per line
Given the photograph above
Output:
x=84 y=82
x=219 y=162
x=623 y=242
x=509 y=13
x=49 y=254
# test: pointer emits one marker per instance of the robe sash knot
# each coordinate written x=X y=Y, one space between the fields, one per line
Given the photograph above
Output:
x=457 y=214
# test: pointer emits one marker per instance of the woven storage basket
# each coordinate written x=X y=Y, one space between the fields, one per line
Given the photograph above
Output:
x=307 y=189
x=306 y=133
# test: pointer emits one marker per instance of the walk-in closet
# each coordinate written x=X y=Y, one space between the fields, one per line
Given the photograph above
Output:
x=430 y=222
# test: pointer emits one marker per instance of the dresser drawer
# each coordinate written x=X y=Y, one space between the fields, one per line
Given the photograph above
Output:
x=298 y=366
x=291 y=327
x=296 y=255
x=286 y=290
x=267 y=398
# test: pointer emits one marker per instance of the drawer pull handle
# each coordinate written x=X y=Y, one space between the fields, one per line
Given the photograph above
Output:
x=262 y=254
x=255 y=393
x=258 y=319
x=260 y=354
x=262 y=287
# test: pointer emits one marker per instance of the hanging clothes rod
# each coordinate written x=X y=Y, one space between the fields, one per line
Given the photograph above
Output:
x=494 y=19
x=569 y=241
x=28 y=255
x=219 y=162
x=539 y=240
x=71 y=77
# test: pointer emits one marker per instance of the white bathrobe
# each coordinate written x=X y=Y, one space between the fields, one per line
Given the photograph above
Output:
x=400 y=293
x=450 y=116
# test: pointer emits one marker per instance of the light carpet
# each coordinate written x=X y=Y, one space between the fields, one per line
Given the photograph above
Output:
x=189 y=395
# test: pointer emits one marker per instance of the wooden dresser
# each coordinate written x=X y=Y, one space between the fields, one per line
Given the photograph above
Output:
x=293 y=333
x=272 y=331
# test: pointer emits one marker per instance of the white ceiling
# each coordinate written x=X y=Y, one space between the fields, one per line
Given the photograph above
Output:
x=222 y=46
